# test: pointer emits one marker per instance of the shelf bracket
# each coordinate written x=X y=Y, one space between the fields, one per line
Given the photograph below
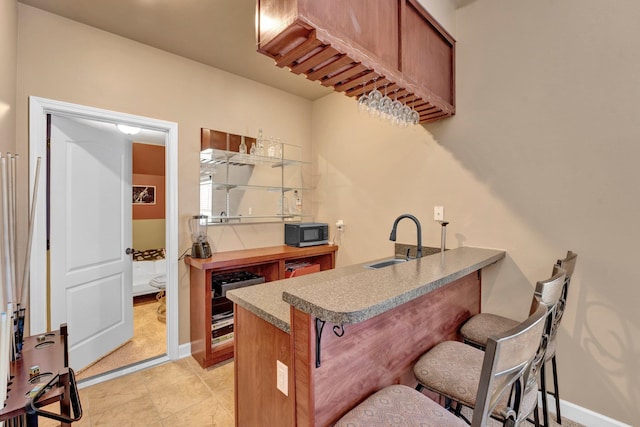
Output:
x=337 y=329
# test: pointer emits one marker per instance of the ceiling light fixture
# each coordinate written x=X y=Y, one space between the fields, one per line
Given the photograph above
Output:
x=129 y=130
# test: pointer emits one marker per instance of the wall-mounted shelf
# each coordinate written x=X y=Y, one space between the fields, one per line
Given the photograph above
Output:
x=252 y=219
x=238 y=188
x=226 y=186
x=220 y=157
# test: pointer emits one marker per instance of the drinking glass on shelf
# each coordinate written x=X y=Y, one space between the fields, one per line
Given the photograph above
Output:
x=271 y=147
x=259 y=144
x=243 y=146
x=278 y=148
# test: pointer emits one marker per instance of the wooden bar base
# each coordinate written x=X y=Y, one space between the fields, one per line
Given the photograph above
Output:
x=370 y=355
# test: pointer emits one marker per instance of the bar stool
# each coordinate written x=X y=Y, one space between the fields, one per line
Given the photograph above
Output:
x=568 y=264
x=507 y=362
x=453 y=369
x=477 y=329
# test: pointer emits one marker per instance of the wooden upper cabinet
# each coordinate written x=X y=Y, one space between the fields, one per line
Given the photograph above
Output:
x=354 y=45
x=374 y=29
x=427 y=52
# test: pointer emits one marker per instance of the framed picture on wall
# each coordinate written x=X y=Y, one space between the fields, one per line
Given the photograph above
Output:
x=144 y=194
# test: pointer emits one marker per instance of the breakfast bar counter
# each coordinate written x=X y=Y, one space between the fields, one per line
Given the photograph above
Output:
x=309 y=348
x=355 y=293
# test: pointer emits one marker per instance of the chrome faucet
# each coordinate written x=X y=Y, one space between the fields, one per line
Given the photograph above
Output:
x=392 y=236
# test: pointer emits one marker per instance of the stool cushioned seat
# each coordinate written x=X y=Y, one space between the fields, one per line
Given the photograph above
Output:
x=453 y=369
x=401 y=406
x=477 y=329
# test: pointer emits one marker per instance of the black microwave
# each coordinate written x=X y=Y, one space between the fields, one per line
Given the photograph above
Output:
x=306 y=234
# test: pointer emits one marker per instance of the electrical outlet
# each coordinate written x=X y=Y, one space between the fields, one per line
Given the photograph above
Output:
x=340 y=225
x=282 y=380
x=438 y=213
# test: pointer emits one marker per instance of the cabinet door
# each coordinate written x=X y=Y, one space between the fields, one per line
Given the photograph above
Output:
x=427 y=52
x=358 y=22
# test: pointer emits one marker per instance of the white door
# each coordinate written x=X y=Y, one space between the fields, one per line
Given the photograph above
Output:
x=90 y=231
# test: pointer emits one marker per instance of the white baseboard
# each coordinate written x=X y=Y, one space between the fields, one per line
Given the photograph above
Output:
x=582 y=415
x=184 y=350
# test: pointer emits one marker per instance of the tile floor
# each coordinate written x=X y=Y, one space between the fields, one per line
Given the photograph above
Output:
x=179 y=393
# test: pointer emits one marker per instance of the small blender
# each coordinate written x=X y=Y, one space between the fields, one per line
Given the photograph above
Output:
x=198 y=229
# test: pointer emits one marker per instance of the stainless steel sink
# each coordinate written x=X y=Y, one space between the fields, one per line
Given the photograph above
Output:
x=386 y=263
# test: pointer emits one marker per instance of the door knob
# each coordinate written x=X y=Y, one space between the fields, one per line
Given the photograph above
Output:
x=128 y=251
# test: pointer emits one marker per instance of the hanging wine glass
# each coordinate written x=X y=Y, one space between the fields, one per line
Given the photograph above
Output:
x=385 y=105
x=396 y=110
x=415 y=116
x=363 y=101
x=374 y=100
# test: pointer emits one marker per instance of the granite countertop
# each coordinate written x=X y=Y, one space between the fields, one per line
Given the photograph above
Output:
x=353 y=294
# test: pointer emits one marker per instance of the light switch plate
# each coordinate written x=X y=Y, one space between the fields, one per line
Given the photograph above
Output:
x=282 y=380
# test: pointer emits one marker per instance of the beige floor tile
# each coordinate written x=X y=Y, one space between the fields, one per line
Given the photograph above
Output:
x=84 y=399
x=226 y=397
x=172 y=398
x=220 y=377
x=167 y=374
x=206 y=413
x=113 y=393
x=139 y=411
x=192 y=363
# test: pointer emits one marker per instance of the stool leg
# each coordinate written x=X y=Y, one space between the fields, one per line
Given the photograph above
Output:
x=458 y=409
x=555 y=388
x=543 y=387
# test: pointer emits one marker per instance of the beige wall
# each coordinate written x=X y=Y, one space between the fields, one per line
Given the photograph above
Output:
x=444 y=11
x=540 y=158
x=63 y=60
x=8 y=59
x=148 y=234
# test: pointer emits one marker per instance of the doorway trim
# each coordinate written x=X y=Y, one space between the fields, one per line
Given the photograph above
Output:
x=38 y=110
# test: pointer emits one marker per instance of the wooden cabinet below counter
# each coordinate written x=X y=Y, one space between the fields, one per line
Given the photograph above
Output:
x=268 y=262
